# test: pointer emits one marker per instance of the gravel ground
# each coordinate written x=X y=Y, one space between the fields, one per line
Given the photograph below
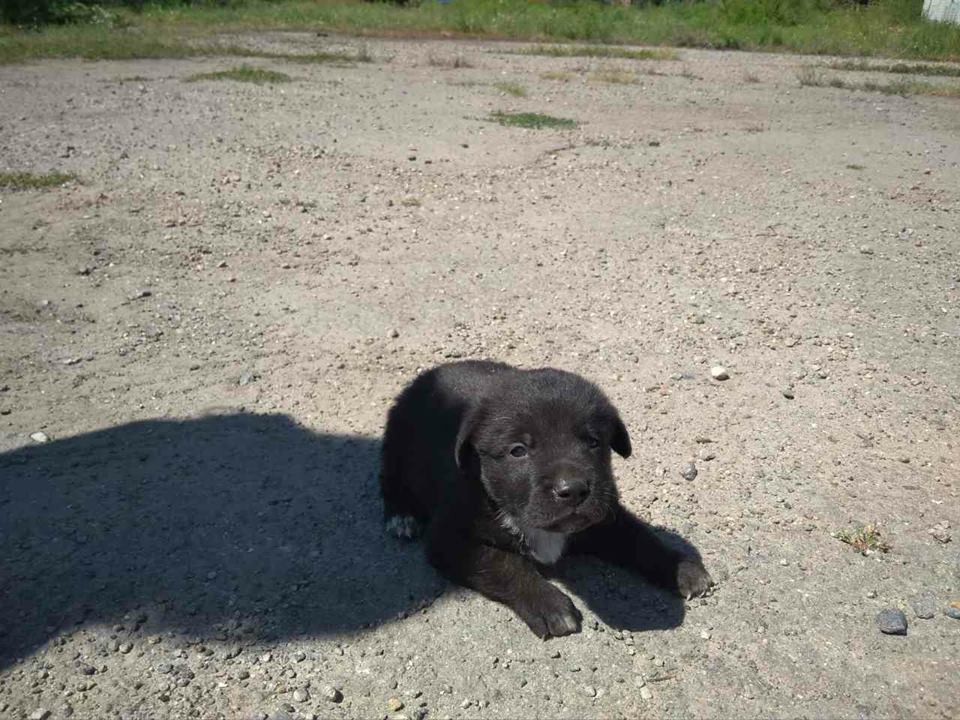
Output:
x=208 y=328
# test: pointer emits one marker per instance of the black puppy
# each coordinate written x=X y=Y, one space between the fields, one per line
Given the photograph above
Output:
x=505 y=467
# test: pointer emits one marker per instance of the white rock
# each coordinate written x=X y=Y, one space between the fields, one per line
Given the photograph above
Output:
x=719 y=372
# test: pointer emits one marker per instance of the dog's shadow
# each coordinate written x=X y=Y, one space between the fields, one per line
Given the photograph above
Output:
x=240 y=520
x=185 y=525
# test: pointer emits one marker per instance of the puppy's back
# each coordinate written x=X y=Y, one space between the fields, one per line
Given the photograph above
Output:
x=421 y=433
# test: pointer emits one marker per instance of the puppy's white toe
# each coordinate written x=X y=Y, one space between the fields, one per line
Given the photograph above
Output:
x=403 y=527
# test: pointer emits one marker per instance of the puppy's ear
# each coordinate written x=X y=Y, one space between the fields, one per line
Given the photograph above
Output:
x=619 y=437
x=464 y=447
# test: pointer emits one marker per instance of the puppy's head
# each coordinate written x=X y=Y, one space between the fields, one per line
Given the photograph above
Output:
x=541 y=442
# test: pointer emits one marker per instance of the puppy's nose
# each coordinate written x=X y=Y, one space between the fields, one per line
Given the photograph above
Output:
x=571 y=490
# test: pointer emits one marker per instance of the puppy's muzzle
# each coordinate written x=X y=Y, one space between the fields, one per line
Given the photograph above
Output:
x=570 y=490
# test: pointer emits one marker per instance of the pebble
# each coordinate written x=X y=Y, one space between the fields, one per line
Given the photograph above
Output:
x=590 y=690
x=646 y=693
x=924 y=606
x=332 y=694
x=394 y=333
x=126 y=647
x=243 y=674
x=718 y=372
x=247 y=377
x=395 y=704
x=953 y=610
x=40 y=714
x=301 y=695
x=39 y=437
x=787 y=392
x=689 y=471
x=892 y=622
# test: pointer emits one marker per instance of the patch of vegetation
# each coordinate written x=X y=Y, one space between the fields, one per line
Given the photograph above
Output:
x=616 y=77
x=454 y=63
x=244 y=73
x=534 y=121
x=558 y=75
x=411 y=202
x=172 y=28
x=511 y=88
x=864 y=539
x=854 y=166
x=33 y=181
x=812 y=77
x=599 y=51
x=896 y=68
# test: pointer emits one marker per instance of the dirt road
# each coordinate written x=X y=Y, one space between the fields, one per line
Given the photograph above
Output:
x=209 y=325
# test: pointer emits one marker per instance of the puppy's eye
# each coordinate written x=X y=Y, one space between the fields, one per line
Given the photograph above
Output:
x=593 y=443
x=518 y=450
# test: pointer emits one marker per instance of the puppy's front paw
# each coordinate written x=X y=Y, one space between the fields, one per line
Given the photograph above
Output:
x=549 y=613
x=693 y=579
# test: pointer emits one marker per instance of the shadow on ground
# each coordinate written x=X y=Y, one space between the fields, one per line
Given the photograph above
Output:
x=241 y=520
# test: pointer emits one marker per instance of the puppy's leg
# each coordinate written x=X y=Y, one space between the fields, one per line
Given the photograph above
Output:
x=505 y=577
x=628 y=542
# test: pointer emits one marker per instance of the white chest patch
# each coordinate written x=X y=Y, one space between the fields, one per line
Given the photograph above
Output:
x=544 y=546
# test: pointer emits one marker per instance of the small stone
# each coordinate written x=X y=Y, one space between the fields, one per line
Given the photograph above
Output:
x=265 y=658
x=866 y=250
x=332 y=694
x=892 y=622
x=242 y=674
x=941 y=532
x=301 y=695
x=126 y=647
x=787 y=392
x=39 y=437
x=554 y=654
x=394 y=333
x=395 y=704
x=40 y=714
x=718 y=372
x=654 y=143
x=140 y=294
x=646 y=693
x=704 y=635
x=247 y=377
x=924 y=606
x=952 y=610
x=590 y=690
x=689 y=471
x=466 y=703
x=300 y=656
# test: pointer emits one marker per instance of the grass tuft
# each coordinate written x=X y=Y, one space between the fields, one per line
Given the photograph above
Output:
x=812 y=77
x=561 y=75
x=615 y=77
x=244 y=73
x=534 y=121
x=33 y=181
x=896 y=68
x=864 y=539
x=599 y=51
x=511 y=88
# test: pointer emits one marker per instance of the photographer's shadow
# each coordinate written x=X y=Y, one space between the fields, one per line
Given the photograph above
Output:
x=244 y=519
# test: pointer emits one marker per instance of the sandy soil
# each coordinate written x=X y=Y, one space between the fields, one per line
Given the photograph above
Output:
x=210 y=325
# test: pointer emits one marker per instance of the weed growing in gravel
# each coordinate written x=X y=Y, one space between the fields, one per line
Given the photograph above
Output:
x=558 y=75
x=244 y=73
x=896 y=68
x=534 y=121
x=598 y=51
x=454 y=63
x=511 y=88
x=33 y=181
x=864 y=539
x=615 y=77
x=811 y=77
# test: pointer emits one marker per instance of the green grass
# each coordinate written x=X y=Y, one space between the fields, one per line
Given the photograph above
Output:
x=812 y=77
x=535 y=121
x=896 y=68
x=33 y=181
x=886 y=28
x=598 y=51
x=864 y=538
x=244 y=73
x=511 y=88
